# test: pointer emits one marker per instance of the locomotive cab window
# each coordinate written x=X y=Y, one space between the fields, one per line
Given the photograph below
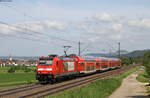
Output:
x=97 y=64
x=45 y=61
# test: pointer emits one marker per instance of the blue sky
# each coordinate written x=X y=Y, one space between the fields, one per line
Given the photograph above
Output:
x=98 y=23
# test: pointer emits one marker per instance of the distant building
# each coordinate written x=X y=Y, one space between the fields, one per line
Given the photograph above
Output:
x=1 y=63
x=10 y=58
x=12 y=62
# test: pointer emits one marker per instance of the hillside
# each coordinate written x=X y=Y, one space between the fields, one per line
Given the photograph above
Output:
x=136 y=53
x=133 y=54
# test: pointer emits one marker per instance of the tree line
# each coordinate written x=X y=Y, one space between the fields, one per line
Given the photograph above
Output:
x=144 y=61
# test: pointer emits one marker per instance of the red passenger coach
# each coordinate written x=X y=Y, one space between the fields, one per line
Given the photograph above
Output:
x=86 y=65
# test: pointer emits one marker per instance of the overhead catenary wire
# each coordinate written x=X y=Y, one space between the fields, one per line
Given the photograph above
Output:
x=24 y=14
x=16 y=35
x=36 y=32
x=106 y=42
x=85 y=48
x=40 y=33
x=21 y=37
x=19 y=11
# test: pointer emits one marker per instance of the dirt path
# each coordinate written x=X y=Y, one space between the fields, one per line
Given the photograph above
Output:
x=130 y=88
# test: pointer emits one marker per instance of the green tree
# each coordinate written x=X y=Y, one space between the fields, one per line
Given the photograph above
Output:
x=146 y=63
x=126 y=61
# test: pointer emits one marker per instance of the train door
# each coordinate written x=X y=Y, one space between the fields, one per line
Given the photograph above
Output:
x=98 y=65
x=104 y=65
x=110 y=65
x=81 y=66
x=59 y=67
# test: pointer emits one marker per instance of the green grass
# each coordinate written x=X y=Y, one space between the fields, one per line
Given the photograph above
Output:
x=95 y=90
x=16 y=77
x=148 y=89
x=8 y=80
x=142 y=77
x=4 y=69
x=98 y=89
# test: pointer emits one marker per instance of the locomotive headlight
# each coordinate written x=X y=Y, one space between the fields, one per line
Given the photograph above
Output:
x=49 y=69
x=40 y=69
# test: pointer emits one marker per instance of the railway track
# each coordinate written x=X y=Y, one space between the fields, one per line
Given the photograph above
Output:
x=18 y=89
x=38 y=91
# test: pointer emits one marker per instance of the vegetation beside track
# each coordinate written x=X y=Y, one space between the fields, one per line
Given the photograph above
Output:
x=145 y=61
x=148 y=89
x=144 y=78
x=99 y=89
x=145 y=75
x=20 y=77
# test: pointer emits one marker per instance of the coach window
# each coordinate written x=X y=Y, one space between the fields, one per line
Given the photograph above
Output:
x=81 y=64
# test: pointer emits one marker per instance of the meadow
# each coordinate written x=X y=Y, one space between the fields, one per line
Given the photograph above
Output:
x=19 y=77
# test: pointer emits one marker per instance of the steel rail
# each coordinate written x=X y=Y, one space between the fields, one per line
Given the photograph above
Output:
x=80 y=82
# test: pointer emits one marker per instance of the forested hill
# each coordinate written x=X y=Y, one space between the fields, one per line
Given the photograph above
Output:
x=133 y=54
x=136 y=53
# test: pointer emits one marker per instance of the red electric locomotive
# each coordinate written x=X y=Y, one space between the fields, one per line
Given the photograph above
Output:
x=53 y=68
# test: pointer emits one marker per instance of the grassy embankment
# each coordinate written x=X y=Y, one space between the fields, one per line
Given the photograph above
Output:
x=19 y=77
x=98 y=89
x=144 y=78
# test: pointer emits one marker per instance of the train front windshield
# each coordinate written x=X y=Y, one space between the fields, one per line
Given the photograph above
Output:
x=45 y=62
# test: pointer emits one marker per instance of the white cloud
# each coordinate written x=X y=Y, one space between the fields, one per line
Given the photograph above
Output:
x=102 y=26
x=144 y=23
x=95 y=29
x=93 y=39
x=117 y=27
x=56 y=25
x=7 y=29
x=32 y=27
x=4 y=29
x=116 y=36
x=110 y=28
x=104 y=17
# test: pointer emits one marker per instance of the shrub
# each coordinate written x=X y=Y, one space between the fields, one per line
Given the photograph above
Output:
x=146 y=62
x=16 y=68
x=126 y=61
x=11 y=70
x=147 y=69
x=27 y=69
